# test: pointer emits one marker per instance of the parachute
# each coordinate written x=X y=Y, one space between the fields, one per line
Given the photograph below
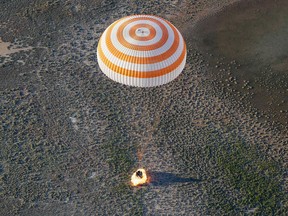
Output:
x=142 y=51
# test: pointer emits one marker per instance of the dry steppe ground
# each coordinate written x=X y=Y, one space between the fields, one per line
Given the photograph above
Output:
x=71 y=138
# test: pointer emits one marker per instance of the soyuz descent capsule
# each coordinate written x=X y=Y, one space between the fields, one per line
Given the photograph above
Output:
x=140 y=177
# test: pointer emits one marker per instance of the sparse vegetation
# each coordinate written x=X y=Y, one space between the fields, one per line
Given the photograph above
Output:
x=255 y=181
x=119 y=156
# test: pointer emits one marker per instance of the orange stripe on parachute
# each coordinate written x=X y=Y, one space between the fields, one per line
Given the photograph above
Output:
x=138 y=74
x=142 y=60
x=125 y=43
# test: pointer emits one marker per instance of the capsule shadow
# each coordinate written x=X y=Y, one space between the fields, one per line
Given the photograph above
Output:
x=165 y=179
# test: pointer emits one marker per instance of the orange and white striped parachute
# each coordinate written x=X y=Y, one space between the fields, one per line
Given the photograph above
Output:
x=141 y=50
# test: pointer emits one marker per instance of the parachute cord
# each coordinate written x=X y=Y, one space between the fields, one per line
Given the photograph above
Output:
x=154 y=126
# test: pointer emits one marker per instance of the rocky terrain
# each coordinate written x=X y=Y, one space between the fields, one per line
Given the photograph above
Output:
x=71 y=138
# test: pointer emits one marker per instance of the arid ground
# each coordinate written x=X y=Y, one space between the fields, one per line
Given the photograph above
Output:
x=214 y=140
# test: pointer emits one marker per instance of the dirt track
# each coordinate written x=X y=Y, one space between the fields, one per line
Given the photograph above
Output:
x=71 y=138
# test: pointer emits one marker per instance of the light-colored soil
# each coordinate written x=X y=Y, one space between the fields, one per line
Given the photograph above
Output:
x=5 y=49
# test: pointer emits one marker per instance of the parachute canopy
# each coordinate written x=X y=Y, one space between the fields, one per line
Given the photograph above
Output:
x=141 y=50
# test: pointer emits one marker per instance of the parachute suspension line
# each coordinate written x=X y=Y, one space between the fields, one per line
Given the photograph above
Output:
x=154 y=126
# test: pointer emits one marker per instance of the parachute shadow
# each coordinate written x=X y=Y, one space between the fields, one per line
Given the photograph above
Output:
x=165 y=179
